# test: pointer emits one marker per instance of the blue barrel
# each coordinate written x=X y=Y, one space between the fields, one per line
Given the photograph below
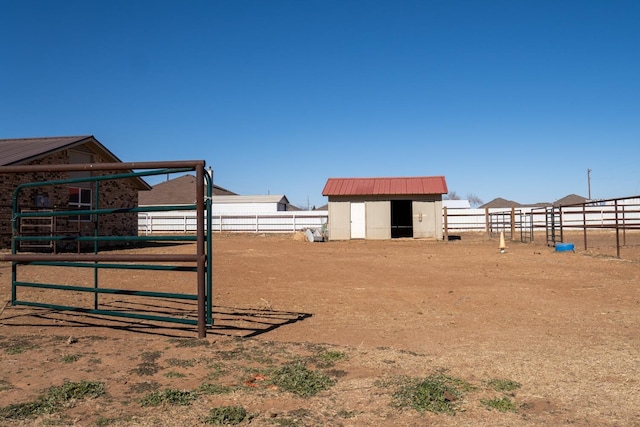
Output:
x=564 y=247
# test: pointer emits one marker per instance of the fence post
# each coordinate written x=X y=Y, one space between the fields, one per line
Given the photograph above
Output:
x=617 y=231
x=446 y=224
x=584 y=224
x=513 y=222
x=624 y=229
x=201 y=253
x=486 y=221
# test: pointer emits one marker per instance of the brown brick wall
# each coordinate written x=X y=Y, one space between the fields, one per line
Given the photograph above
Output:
x=113 y=194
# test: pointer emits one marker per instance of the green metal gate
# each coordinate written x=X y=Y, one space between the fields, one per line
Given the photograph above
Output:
x=199 y=263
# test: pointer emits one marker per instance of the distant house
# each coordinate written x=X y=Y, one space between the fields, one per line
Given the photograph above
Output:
x=177 y=191
x=180 y=191
x=384 y=208
x=249 y=204
x=64 y=150
x=456 y=204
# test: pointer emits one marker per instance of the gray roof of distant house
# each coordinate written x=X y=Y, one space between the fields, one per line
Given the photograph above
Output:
x=177 y=191
x=501 y=203
x=571 y=199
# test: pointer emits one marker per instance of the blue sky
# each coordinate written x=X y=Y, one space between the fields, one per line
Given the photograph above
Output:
x=513 y=99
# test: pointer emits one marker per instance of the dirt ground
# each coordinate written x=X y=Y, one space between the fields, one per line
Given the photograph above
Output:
x=562 y=325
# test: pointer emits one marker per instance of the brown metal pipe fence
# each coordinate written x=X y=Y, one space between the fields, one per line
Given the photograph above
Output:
x=591 y=219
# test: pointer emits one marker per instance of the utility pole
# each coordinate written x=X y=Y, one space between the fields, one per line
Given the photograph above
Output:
x=589 y=182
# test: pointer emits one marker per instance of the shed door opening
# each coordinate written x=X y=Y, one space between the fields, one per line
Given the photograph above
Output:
x=401 y=218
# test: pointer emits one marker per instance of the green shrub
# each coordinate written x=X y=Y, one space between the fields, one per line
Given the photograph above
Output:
x=437 y=393
x=500 y=404
x=226 y=415
x=296 y=378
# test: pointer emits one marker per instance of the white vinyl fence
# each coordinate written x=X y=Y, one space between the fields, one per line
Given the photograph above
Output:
x=627 y=212
x=274 y=222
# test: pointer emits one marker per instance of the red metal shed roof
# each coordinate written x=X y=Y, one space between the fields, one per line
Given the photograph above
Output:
x=385 y=186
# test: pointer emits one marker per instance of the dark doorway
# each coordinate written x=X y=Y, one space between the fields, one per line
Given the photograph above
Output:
x=401 y=219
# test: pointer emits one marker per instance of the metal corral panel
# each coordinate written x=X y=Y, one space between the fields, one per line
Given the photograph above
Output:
x=378 y=219
x=340 y=220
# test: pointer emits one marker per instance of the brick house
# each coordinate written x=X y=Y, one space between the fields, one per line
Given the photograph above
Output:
x=121 y=193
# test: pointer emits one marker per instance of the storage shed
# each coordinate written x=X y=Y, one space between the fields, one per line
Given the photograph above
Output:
x=385 y=208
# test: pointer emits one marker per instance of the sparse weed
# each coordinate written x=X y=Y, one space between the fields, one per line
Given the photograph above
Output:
x=70 y=358
x=182 y=363
x=148 y=365
x=55 y=399
x=169 y=397
x=503 y=385
x=209 y=388
x=174 y=374
x=296 y=378
x=150 y=356
x=226 y=415
x=286 y=422
x=189 y=342
x=327 y=359
x=144 y=387
x=17 y=345
x=104 y=422
x=500 y=404
x=437 y=393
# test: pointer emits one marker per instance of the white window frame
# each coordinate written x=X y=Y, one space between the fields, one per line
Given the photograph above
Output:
x=80 y=204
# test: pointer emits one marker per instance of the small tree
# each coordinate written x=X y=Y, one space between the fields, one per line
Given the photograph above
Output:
x=451 y=195
x=474 y=200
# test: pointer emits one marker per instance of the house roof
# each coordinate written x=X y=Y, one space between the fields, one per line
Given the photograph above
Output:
x=177 y=191
x=22 y=150
x=19 y=151
x=571 y=199
x=499 y=202
x=385 y=186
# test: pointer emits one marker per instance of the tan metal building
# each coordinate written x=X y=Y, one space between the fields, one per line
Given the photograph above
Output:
x=385 y=208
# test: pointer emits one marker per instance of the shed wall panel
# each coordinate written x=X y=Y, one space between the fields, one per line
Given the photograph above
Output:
x=378 y=220
x=339 y=220
x=427 y=219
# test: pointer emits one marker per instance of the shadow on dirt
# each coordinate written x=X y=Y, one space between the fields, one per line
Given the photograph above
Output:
x=227 y=321
x=245 y=323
